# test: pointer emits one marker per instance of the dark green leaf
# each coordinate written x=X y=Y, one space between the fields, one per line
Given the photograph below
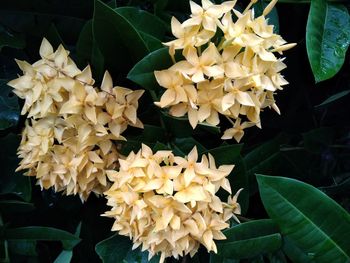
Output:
x=314 y=222
x=294 y=253
x=64 y=257
x=144 y=21
x=118 y=40
x=88 y=52
x=112 y=248
x=186 y=145
x=14 y=206
x=264 y=158
x=53 y=36
x=119 y=247
x=43 y=233
x=22 y=247
x=333 y=98
x=13 y=40
x=327 y=38
x=9 y=108
x=143 y=72
x=318 y=139
x=342 y=188
x=151 y=42
x=250 y=239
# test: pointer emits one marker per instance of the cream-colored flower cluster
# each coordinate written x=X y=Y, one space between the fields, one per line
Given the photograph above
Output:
x=69 y=141
x=235 y=74
x=168 y=204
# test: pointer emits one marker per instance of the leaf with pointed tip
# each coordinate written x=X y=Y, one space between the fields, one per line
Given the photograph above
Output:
x=327 y=38
x=315 y=223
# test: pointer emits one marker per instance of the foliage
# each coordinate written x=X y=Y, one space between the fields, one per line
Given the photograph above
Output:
x=297 y=211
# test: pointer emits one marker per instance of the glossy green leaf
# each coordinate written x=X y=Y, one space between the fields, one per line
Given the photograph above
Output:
x=144 y=21
x=118 y=40
x=250 y=239
x=264 y=158
x=316 y=224
x=333 y=99
x=327 y=38
x=151 y=42
x=88 y=51
x=295 y=254
x=187 y=144
x=64 y=257
x=112 y=248
x=143 y=72
x=119 y=247
x=42 y=233
x=9 y=108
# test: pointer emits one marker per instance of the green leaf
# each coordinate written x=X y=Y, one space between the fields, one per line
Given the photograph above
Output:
x=295 y=254
x=143 y=72
x=319 y=139
x=144 y=21
x=264 y=158
x=119 y=247
x=43 y=233
x=11 y=181
x=14 y=206
x=250 y=239
x=118 y=40
x=9 y=108
x=22 y=247
x=333 y=98
x=327 y=38
x=151 y=42
x=9 y=39
x=88 y=51
x=112 y=248
x=64 y=257
x=187 y=144
x=316 y=224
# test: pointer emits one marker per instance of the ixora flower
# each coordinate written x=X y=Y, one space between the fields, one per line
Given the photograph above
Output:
x=168 y=204
x=72 y=136
x=234 y=72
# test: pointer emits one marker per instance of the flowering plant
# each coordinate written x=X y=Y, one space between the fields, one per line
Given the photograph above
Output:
x=163 y=167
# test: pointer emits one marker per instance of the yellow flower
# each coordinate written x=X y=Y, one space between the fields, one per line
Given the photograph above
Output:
x=236 y=78
x=197 y=67
x=167 y=204
x=71 y=139
x=237 y=131
x=207 y=14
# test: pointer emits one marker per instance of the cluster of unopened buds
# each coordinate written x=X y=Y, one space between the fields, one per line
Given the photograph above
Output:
x=235 y=75
x=69 y=140
x=168 y=204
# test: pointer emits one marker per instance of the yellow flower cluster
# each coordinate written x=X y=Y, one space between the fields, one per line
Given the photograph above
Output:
x=236 y=74
x=168 y=204
x=68 y=143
